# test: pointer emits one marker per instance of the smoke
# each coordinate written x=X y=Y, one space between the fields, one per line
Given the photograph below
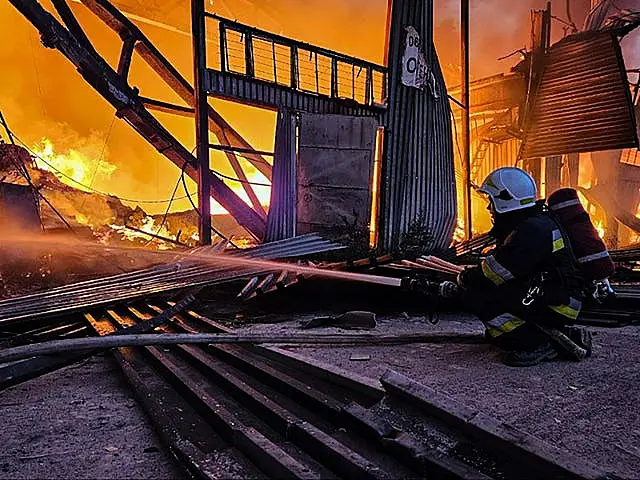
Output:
x=631 y=43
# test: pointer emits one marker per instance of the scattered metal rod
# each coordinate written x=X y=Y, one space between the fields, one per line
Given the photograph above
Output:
x=306 y=245
x=58 y=346
x=193 y=270
x=289 y=421
x=536 y=458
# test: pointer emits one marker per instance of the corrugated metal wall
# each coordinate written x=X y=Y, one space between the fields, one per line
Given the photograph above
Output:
x=418 y=170
x=281 y=221
x=583 y=102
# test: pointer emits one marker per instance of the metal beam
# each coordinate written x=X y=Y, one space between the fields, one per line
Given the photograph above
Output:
x=265 y=94
x=118 y=22
x=106 y=81
x=202 y=129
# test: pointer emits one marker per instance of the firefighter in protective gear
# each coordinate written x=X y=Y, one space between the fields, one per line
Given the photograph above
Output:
x=529 y=279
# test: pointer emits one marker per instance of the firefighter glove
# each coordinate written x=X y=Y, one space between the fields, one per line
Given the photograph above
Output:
x=449 y=289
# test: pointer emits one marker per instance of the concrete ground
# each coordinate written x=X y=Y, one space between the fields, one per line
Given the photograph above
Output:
x=79 y=422
x=589 y=408
x=82 y=422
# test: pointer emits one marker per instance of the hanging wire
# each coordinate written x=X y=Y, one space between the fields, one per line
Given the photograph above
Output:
x=6 y=127
x=25 y=173
x=257 y=184
x=87 y=187
x=166 y=213
x=188 y=195
x=104 y=147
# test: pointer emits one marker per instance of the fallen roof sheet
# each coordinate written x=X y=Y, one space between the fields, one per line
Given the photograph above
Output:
x=583 y=102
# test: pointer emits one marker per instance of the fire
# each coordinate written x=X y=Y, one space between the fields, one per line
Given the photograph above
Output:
x=149 y=226
x=72 y=167
x=459 y=233
x=77 y=169
x=599 y=226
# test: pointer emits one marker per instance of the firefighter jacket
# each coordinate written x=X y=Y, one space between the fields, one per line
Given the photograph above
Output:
x=534 y=254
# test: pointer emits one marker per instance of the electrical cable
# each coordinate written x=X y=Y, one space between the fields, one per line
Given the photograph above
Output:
x=6 y=127
x=104 y=147
x=213 y=229
x=169 y=201
x=25 y=173
x=166 y=213
x=455 y=129
x=247 y=182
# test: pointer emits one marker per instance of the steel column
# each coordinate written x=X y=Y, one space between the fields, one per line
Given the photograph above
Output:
x=202 y=119
x=466 y=132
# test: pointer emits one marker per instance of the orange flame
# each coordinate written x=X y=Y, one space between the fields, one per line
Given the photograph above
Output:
x=72 y=168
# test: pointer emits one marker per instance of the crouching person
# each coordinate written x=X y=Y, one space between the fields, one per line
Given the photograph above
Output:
x=529 y=290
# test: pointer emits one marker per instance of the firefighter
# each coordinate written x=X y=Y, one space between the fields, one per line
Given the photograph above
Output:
x=530 y=280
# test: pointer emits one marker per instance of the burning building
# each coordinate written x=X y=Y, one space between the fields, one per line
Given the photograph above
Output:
x=567 y=114
x=406 y=188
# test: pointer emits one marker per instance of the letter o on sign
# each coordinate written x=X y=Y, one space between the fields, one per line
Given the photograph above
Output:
x=412 y=65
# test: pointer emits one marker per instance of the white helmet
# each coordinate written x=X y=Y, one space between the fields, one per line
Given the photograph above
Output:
x=510 y=189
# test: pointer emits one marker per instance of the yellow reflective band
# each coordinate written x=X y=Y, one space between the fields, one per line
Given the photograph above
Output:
x=494 y=332
x=558 y=241
x=490 y=274
x=494 y=271
x=527 y=201
x=512 y=325
x=566 y=311
x=502 y=324
x=558 y=245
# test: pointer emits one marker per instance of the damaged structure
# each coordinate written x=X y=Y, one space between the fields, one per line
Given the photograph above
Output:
x=413 y=186
x=568 y=115
x=366 y=191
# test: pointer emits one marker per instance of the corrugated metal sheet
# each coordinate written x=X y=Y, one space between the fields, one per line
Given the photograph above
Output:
x=418 y=170
x=583 y=102
x=260 y=93
x=281 y=221
x=335 y=171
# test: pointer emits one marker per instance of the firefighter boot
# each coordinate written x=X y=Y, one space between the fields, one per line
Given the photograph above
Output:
x=581 y=337
x=527 y=358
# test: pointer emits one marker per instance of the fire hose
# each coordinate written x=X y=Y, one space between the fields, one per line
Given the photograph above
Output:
x=137 y=340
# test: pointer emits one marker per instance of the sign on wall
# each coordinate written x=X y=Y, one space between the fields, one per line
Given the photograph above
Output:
x=414 y=65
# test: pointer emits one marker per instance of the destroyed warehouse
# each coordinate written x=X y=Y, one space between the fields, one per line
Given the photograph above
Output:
x=264 y=215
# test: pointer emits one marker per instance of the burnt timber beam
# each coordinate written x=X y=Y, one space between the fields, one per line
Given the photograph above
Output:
x=116 y=20
x=106 y=81
x=126 y=55
x=72 y=24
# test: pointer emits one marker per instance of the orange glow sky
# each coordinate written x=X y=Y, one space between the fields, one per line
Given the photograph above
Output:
x=42 y=95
